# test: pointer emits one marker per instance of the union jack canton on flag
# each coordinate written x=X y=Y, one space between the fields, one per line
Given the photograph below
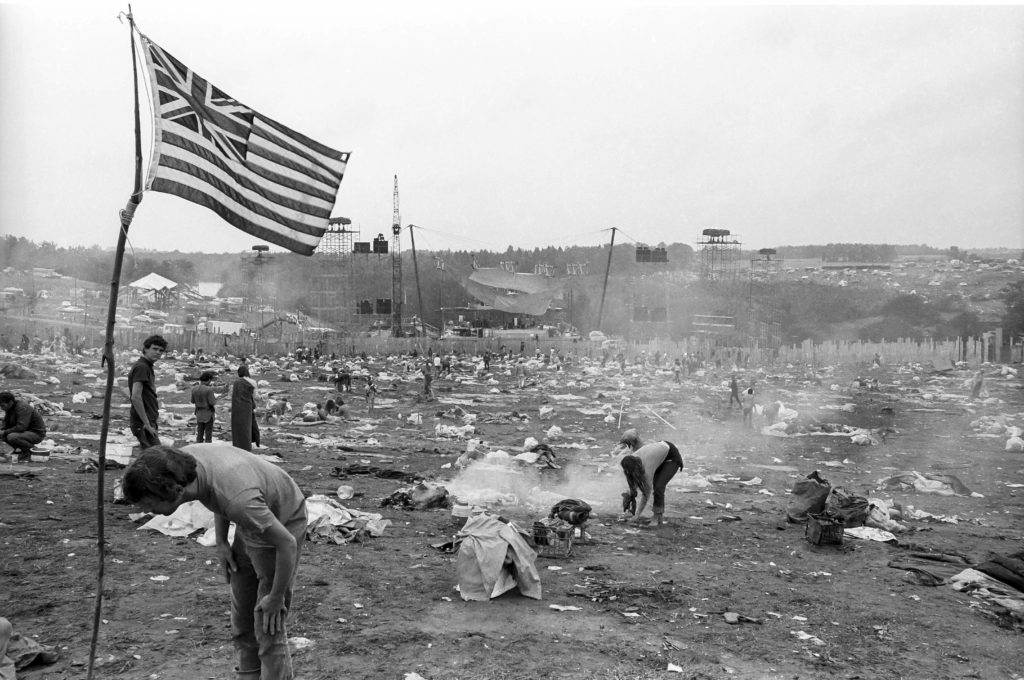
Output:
x=261 y=177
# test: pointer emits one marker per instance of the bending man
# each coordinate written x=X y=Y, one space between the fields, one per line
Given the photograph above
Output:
x=269 y=512
x=648 y=468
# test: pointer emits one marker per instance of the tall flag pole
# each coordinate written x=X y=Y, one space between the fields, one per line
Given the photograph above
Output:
x=108 y=352
x=208 y=148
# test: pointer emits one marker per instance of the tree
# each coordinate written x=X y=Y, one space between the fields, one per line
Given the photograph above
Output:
x=1013 y=298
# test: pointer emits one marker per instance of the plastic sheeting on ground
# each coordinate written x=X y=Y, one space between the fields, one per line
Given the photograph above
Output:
x=489 y=547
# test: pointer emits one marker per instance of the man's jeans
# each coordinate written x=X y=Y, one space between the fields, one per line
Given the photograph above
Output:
x=260 y=656
x=23 y=442
x=145 y=438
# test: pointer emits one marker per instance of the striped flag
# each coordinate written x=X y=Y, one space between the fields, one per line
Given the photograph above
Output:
x=211 y=149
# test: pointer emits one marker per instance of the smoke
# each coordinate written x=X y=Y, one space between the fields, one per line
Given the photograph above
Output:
x=504 y=483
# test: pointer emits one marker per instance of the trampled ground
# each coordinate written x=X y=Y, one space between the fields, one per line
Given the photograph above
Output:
x=648 y=597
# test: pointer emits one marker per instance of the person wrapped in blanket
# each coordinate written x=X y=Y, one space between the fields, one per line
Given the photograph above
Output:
x=648 y=469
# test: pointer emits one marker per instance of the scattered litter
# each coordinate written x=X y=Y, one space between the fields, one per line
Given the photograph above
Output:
x=564 y=607
x=807 y=637
x=870 y=534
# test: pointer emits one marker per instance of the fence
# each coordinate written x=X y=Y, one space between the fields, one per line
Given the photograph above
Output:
x=936 y=352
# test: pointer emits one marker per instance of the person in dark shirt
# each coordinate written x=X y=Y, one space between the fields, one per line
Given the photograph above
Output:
x=244 y=430
x=23 y=426
x=204 y=400
x=734 y=392
x=142 y=387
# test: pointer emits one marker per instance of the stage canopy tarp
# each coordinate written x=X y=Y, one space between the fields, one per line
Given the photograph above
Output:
x=512 y=292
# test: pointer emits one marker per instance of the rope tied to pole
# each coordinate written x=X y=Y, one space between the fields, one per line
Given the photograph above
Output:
x=128 y=213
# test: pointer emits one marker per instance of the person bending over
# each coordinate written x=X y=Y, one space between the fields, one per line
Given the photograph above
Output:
x=269 y=512
x=648 y=469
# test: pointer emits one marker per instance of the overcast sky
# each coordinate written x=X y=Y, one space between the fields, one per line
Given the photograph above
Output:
x=541 y=123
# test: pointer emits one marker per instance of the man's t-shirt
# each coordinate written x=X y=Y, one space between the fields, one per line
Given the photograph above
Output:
x=142 y=373
x=204 y=399
x=247 y=490
x=652 y=455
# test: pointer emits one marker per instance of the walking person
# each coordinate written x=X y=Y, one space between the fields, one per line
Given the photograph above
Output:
x=269 y=512
x=23 y=426
x=648 y=468
x=145 y=407
x=244 y=430
x=734 y=392
x=205 y=400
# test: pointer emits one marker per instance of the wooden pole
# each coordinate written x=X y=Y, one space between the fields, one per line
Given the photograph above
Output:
x=604 y=287
x=416 y=272
x=108 y=352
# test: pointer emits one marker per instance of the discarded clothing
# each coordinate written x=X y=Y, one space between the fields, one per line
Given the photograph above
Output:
x=808 y=496
x=330 y=521
x=423 y=496
x=1007 y=568
x=571 y=510
x=944 y=485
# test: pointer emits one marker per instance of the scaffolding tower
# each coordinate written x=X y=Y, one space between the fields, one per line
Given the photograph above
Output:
x=396 y=267
x=331 y=303
x=719 y=255
x=762 y=301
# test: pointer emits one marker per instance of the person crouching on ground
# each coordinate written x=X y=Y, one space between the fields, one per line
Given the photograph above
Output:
x=269 y=512
x=648 y=469
x=23 y=426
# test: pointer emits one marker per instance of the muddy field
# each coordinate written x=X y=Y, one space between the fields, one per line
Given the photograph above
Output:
x=648 y=598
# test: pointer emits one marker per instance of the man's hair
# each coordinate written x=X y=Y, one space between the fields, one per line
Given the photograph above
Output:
x=243 y=371
x=157 y=340
x=633 y=468
x=161 y=472
x=206 y=376
x=630 y=438
x=6 y=398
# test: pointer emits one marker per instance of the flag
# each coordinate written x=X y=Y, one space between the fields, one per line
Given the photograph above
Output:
x=258 y=175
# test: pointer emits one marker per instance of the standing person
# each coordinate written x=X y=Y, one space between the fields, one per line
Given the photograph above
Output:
x=977 y=383
x=244 y=430
x=677 y=371
x=487 y=360
x=344 y=380
x=371 y=394
x=204 y=399
x=428 y=377
x=269 y=512
x=519 y=374
x=734 y=392
x=23 y=426
x=648 y=469
x=145 y=410
x=748 y=407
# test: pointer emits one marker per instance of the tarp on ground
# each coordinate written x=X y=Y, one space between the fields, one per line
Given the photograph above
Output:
x=511 y=292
